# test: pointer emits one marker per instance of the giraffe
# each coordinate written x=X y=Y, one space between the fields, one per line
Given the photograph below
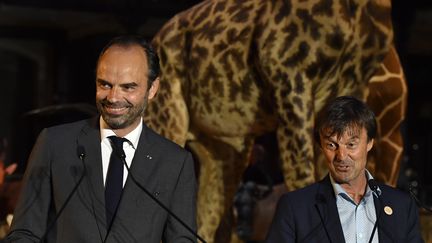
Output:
x=233 y=70
x=388 y=97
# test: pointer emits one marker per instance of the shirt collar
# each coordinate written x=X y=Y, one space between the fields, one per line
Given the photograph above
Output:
x=369 y=190
x=132 y=137
x=338 y=190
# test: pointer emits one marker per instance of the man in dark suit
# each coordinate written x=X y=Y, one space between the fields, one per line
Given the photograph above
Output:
x=347 y=203
x=65 y=196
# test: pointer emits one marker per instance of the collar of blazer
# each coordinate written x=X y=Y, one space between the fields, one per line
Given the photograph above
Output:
x=325 y=203
x=89 y=139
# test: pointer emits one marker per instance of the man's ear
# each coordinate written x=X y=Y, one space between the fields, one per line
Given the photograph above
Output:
x=153 y=89
x=370 y=144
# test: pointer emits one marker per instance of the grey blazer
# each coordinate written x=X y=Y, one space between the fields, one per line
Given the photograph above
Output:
x=54 y=168
x=310 y=215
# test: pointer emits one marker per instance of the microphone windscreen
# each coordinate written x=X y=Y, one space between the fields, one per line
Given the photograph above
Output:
x=81 y=151
x=373 y=185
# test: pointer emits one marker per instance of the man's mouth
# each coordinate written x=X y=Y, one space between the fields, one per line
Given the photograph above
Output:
x=115 y=110
x=341 y=167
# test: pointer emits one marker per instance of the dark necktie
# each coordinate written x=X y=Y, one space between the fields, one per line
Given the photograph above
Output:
x=114 y=178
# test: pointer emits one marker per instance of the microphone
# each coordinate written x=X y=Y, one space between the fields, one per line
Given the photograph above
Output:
x=81 y=156
x=374 y=187
x=122 y=156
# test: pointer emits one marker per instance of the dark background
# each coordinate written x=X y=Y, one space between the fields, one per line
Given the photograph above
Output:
x=48 y=50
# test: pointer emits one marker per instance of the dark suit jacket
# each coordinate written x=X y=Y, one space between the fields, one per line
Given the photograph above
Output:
x=310 y=215
x=54 y=168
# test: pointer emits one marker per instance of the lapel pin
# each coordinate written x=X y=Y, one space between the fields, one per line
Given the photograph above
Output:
x=149 y=157
x=388 y=210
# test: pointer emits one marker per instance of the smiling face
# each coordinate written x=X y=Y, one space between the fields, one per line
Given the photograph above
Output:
x=121 y=87
x=346 y=154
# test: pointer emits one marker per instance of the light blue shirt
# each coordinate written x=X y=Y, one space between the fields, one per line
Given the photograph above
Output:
x=357 y=220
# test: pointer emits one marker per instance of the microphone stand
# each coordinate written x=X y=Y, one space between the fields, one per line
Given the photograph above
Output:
x=374 y=187
x=417 y=200
x=122 y=157
x=81 y=155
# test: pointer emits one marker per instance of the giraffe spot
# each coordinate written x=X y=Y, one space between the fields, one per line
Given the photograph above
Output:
x=232 y=59
x=309 y=24
x=335 y=39
x=283 y=11
x=220 y=7
x=299 y=84
x=166 y=30
x=163 y=56
x=282 y=77
x=203 y=15
x=370 y=41
x=211 y=74
x=291 y=32
x=211 y=29
x=233 y=35
x=220 y=47
x=298 y=102
x=323 y=7
x=312 y=70
x=368 y=63
x=238 y=110
x=325 y=62
x=183 y=23
x=270 y=40
x=381 y=13
x=197 y=54
x=299 y=56
x=217 y=87
x=300 y=140
x=242 y=15
x=207 y=97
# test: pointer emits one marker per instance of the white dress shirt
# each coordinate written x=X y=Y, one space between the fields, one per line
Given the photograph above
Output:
x=128 y=147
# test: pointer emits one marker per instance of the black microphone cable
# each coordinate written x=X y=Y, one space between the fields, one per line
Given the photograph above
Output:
x=417 y=200
x=81 y=155
x=374 y=187
x=123 y=158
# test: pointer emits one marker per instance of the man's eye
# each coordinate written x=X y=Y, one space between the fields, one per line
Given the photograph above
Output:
x=331 y=146
x=129 y=87
x=104 y=85
x=352 y=145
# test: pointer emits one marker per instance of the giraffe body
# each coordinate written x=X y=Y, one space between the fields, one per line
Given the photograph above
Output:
x=234 y=70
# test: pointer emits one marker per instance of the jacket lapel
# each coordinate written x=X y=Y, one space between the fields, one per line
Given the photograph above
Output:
x=142 y=167
x=326 y=206
x=89 y=138
x=385 y=221
x=144 y=158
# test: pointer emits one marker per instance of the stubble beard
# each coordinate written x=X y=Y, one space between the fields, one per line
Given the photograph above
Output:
x=122 y=121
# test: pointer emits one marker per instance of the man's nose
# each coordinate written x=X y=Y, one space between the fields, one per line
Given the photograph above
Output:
x=114 y=94
x=341 y=153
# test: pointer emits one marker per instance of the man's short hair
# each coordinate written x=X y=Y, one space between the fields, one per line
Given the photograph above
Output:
x=132 y=40
x=343 y=113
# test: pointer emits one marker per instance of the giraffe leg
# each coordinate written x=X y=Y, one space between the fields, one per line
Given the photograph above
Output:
x=220 y=171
